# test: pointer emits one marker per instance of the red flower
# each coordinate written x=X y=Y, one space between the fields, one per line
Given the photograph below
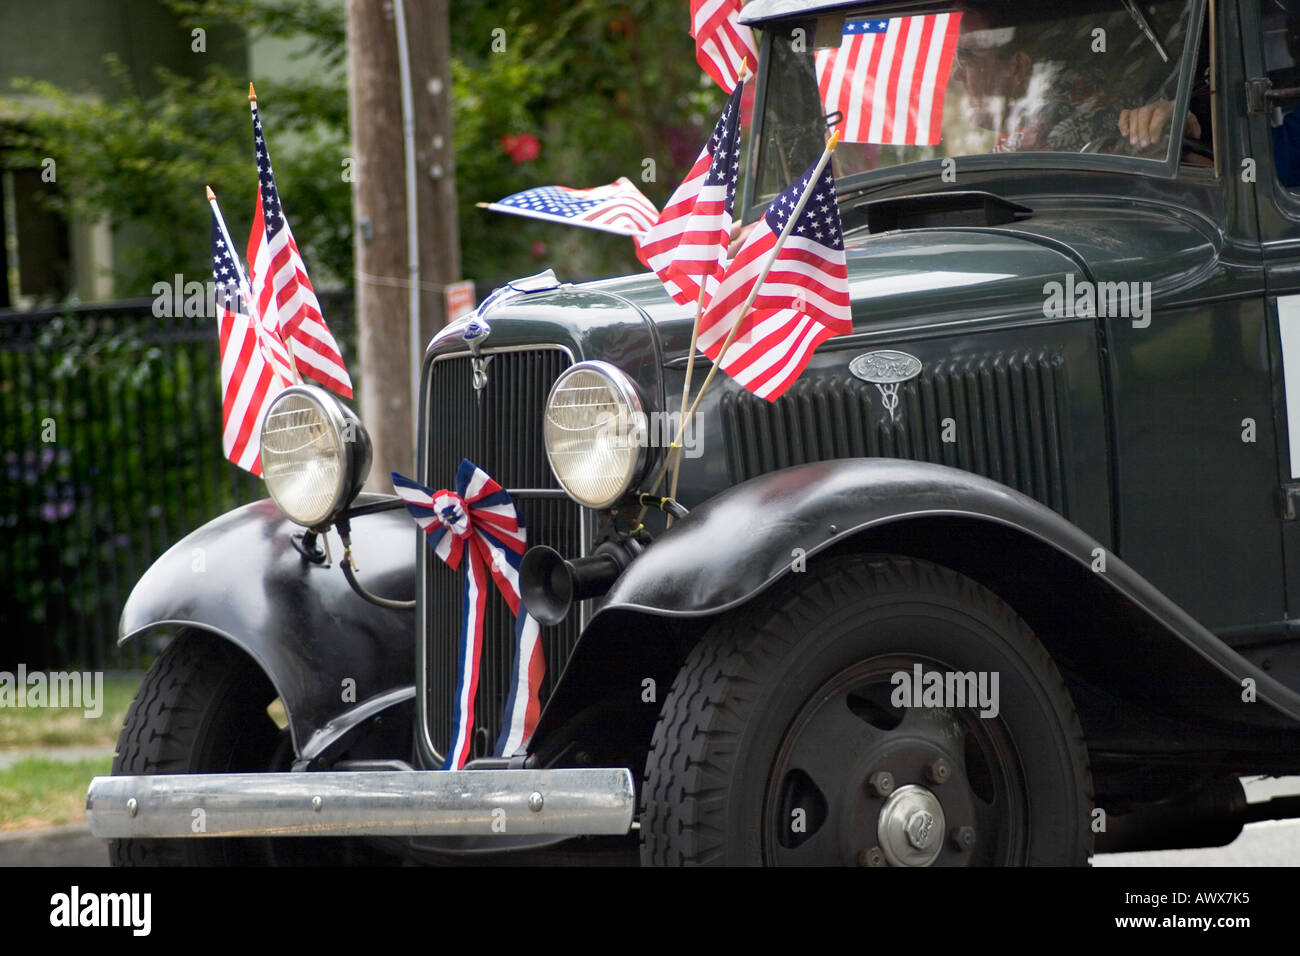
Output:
x=520 y=148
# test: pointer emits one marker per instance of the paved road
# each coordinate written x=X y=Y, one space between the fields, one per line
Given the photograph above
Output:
x=1273 y=843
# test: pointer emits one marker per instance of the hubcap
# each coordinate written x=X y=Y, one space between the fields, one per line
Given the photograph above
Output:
x=911 y=827
x=859 y=781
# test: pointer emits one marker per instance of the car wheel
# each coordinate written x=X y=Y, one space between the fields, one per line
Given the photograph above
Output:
x=788 y=737
x=202 y=708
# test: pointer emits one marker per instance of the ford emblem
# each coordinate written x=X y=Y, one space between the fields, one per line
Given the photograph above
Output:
x=886 y=367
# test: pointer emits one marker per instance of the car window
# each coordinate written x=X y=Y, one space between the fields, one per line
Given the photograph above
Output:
x=973 y=78
x=1281 y=38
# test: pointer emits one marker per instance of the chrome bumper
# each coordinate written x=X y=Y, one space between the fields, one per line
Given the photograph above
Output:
x=380 y=803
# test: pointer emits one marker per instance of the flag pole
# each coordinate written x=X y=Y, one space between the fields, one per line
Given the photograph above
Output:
x=767 y=267
x=753 y=293
x=288 y=342
x=675 y=449
x=244 y=288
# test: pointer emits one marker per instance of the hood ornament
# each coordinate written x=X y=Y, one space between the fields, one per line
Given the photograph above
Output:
x=473 y=329
x=475 y=332
x=886 y=369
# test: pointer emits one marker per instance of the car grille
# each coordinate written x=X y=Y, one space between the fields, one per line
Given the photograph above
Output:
x=1006 y=411
x=500 y=430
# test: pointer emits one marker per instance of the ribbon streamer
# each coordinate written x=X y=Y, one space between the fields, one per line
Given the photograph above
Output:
x=479 y=520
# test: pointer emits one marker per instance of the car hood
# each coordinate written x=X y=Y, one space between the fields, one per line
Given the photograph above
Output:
x=923 y=277
x=902 y=281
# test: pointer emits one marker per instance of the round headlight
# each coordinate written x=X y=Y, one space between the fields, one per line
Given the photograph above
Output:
x=315 y=454
x=595 y=433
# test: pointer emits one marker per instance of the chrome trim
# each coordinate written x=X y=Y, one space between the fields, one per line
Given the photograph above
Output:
x=344 y=723
x=337 y=418
x=426 y=751
x=375 y=803
x=631 y=397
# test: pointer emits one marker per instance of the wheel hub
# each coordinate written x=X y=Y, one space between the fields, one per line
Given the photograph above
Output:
x=911 y=827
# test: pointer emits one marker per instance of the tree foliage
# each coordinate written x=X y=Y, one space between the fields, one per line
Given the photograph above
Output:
x=579 y=98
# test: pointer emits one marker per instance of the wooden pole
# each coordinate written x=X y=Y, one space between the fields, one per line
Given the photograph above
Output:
x=379 y=209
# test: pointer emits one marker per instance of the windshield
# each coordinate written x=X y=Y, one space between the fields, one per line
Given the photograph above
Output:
x=971 y=79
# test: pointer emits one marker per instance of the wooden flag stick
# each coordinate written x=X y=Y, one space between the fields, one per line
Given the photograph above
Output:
x=675 y=450
x=244 y=289
x=288 y=342
x=753 y=292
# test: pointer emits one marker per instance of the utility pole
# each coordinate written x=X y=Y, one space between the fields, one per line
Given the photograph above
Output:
x=379 y=208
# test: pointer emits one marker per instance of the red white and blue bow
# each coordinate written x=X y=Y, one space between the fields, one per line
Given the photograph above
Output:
x=480 y=519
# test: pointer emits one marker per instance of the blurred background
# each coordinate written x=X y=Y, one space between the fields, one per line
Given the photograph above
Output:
x=114 y=114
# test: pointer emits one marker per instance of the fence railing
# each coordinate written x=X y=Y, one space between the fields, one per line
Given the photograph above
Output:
x=110 y=452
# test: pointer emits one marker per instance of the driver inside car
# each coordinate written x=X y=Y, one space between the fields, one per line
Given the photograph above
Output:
x=1031 y=101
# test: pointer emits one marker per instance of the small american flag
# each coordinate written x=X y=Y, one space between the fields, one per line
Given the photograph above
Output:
x=803 y=301
x=690 y=239
x=619 y=207
x=721 y=43
x=888 y=78
x=253 y=363
x=283 y=293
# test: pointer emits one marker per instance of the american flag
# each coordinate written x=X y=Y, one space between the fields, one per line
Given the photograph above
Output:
x=721 y=43
x=618 y=207
x=254 y=365
x=888 y=78
x=690 y=239
x=283 y=293
x=803 y=301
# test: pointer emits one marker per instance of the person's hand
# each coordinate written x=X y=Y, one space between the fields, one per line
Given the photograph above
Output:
x=1145 y=125
x=739 y=233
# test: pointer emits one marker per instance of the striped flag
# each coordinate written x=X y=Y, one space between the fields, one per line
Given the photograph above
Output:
x=282 y=292
x=721 y=43
x=254 y=367
x=888 y=78
x=618 y=207
x=803 y=301
x=689 y=242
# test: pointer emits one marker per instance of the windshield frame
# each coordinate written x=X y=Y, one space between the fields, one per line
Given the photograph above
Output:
x=932 y=169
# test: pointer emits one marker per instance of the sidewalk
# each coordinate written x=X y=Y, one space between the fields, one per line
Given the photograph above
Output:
x=54 y=846
x=72 y=754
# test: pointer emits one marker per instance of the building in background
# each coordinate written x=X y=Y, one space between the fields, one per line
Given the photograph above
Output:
x=45 y=259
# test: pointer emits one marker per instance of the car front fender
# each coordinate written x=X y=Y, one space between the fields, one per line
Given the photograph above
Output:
x=1140 y=646
x=334 y=658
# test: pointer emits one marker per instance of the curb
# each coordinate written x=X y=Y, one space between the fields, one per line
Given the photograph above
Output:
x=69 y=831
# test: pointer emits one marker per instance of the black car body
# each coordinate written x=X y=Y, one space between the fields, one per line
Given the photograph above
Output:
x=1104 y=485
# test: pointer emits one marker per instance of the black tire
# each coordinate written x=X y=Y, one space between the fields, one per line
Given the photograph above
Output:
x=202 y=708
x=770 y=743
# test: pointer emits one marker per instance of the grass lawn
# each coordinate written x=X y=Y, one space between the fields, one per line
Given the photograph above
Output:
x=28 y=728
x=40 y=792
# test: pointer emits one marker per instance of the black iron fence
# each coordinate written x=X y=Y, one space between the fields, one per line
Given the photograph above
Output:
x=110 y=452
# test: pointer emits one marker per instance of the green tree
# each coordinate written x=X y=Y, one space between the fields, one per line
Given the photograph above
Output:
x=602 y=89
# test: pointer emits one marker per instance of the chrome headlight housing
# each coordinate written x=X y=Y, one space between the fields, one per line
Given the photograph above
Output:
x=595 y=433
x=315 y=455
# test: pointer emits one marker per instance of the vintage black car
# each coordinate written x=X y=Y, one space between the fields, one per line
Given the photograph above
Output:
x=1010 y=575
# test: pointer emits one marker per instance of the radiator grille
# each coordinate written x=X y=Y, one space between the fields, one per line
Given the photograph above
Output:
x=1006 y=414
x=500 y=430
